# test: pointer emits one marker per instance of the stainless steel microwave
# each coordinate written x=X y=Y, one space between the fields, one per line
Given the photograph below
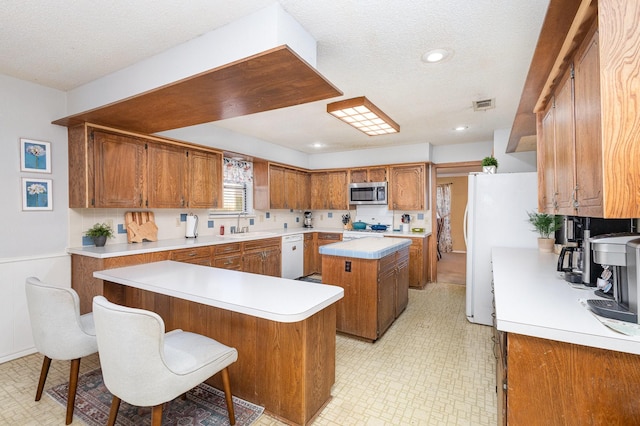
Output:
x=368 y=193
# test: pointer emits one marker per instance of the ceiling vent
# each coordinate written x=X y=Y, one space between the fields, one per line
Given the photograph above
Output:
x=484 y=104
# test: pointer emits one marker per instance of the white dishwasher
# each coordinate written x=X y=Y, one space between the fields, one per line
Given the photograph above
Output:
x=292 y=256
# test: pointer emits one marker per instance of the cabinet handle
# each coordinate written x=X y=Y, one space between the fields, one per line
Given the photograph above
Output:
x=140 y=200
x=574 y=197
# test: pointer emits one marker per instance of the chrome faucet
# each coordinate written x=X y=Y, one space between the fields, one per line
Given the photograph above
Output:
x=244 y=228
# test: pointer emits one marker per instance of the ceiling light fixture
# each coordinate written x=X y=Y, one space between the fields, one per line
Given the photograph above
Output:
x=435 y=55
x=364 y=116
x=460 y=128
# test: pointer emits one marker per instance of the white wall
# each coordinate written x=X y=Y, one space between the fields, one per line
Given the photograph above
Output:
x=31 y=242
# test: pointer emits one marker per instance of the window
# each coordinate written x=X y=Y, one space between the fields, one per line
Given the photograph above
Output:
x=237 y=189
x=236 y=197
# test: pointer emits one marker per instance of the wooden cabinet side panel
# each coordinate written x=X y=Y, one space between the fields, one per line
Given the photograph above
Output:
x=83 y=282
x=619 y=38
x=80 y=168
x=547 y=161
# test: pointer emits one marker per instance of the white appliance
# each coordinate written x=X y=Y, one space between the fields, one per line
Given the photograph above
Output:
x=368 y=193
x=496 y=216
x=292 y=256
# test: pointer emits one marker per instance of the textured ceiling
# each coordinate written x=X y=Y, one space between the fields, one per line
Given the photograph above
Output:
x=368 y=48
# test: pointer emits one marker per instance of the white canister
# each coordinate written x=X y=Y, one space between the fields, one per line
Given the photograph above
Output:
x=405 y=227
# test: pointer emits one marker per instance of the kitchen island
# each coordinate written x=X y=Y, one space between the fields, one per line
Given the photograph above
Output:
x=284 y=330
x=557 y=364
x=374 y=273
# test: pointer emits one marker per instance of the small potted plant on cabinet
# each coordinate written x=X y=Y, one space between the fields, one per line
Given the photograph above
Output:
x=546 y=225
x=99 y=234
x=489 y=165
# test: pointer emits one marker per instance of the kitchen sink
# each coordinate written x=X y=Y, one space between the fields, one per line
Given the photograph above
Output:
x=248 y=235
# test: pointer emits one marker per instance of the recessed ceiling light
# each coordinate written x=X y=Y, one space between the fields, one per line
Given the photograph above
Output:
x=460 y=128
x=317 y=145
x=435 y=55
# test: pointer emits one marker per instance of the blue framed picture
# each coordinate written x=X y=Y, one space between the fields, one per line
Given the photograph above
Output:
x=37 y=194
x=35 y=156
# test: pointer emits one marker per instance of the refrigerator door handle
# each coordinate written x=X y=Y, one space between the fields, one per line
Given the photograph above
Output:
x=464 y=223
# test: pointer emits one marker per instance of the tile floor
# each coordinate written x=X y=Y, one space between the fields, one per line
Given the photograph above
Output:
x=432 y=367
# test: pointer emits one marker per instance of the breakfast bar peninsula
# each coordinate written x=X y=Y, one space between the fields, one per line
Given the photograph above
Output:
x=284 y=330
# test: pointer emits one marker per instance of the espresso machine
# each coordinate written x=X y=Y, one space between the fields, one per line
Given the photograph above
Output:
x=619 y=256
x=307 y=220
x=576 y=234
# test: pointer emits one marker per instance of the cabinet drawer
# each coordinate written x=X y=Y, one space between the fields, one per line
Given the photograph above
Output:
x=228 y=262
x=334 y=236
x=223 y=249
x=190 y=255
x=261 y=244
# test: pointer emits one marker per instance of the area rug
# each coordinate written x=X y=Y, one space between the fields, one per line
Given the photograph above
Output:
x=203 y=405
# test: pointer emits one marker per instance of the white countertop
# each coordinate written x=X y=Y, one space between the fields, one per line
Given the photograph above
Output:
x=272 y=298
x=365 y=248
x=532 y=299
x=124 y=249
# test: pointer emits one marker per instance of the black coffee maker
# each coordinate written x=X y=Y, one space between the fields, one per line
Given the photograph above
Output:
x=571 y=259
x=578 y=230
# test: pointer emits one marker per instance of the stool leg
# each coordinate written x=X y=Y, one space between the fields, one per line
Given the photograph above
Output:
x=113 y=412
x=156 y=415
x=73 y=385
x=227 y=395
x=46 y=363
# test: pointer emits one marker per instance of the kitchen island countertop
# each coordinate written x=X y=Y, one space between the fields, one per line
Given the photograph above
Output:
x=533 y=300
x=262 y=296
x=365 y=248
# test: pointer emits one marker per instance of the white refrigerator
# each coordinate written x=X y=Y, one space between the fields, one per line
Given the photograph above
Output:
x=496 y=216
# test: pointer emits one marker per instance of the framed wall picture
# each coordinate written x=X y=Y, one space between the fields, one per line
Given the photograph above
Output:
x=37 y=194
x=35 y=156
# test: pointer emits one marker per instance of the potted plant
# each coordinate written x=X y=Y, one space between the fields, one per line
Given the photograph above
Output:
x=489 y=164
x=546 y=225
x=99 y=233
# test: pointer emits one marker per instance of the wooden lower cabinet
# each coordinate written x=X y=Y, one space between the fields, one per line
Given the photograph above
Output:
x=376 y=291
x=227 y=256
x=262 y=257
x=417 y=262
x=196 y=255
x=310 y=248
x=556 y=383
x=324 y=238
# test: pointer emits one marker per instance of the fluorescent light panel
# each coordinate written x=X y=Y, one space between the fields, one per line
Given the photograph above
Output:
x=364 y=116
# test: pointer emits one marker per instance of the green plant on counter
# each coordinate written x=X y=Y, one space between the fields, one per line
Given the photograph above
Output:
x=100 y=230
x=489 y=161
x=545 y=224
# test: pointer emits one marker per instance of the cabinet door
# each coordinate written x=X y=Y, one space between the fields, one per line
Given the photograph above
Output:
x=377 y=174
x=309 y=254
x=547 y=162
x=304 y=191
x=407 y=187
x=233 y=262
x=291 y=189
x=402 y=283
x=277 y=190
x=205 y=179
x=386 y=300
x=358 y=175
x=588 y=149
x=564 y=147
x=167 y=176
x=272 y=262
x=337 y=182
x=416 y=264
x=319 y=191
x=324 y=238
x=120 y=169
x=252 y=262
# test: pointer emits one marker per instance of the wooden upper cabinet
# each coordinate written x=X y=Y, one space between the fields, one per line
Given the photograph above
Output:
x=167 y=176
x=407 y=187
x=588 y=142
x=371 y=174
x=565 y=147
x=329 y=190
x=120 y=169
x=205 y=179
x=113 y=169
x=288 y=189
x=547 y=161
